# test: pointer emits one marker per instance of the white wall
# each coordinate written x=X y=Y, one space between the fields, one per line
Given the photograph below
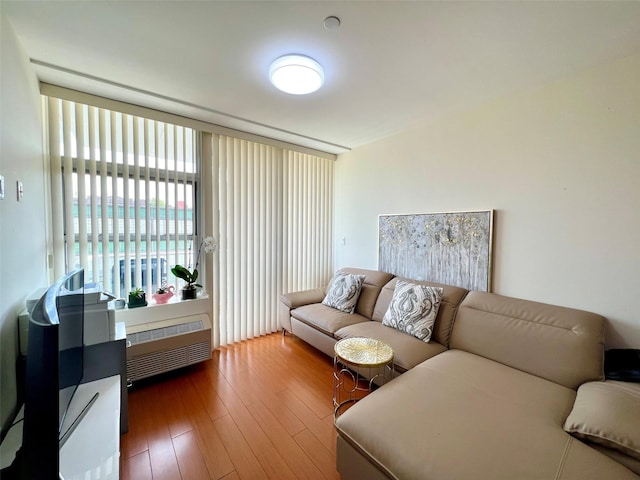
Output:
x=22 y=224
x=560 y=165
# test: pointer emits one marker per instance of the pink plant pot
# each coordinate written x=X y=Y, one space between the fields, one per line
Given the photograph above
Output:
x=161 y=298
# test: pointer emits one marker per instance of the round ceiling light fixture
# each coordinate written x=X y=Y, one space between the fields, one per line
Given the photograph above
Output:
x=296 y=74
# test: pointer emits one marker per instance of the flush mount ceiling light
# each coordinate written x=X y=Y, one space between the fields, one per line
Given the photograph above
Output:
x=296 y=74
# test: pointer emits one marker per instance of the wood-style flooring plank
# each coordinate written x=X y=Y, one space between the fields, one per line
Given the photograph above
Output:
x=190 y=461
x=213 y=451
x=259 y=409
x=164 y=464
x=172 y=406
x=232 y=476
x=297 y=460
x=271 y=461
x=290 y=422
x=318 y=453
x=137 y=467
x=246 y=385
x=316 y=425
x=208 y=402
x=135 y=442
x=246 y=464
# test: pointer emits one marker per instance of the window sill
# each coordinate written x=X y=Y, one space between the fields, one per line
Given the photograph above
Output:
x=158 y=312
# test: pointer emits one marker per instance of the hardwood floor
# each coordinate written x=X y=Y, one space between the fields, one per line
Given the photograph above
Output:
x=261 y=409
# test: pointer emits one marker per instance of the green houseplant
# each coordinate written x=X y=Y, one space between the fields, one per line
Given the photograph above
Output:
x=137 y=298
x=190 y=290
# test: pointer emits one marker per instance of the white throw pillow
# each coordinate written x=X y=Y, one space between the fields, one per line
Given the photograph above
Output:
x=413 y=309
x=344 y=291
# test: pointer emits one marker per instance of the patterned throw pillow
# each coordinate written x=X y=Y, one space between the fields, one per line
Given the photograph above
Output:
x=343 y=292
x=413 y=309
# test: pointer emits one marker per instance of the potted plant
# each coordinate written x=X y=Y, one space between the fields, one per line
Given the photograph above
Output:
x=137 y=298
x=163 y=294
x=190 y=290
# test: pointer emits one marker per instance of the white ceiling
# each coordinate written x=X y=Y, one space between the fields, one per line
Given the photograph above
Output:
x=389 y=65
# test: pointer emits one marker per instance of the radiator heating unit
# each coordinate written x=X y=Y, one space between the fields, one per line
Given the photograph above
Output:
x=162 y=346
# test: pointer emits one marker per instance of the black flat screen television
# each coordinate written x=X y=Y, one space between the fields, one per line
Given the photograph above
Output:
x=53 y=373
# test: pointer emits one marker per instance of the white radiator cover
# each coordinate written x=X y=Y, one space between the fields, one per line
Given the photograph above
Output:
x=158 y=347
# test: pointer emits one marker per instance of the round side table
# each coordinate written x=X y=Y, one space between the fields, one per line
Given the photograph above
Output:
x=358 y=364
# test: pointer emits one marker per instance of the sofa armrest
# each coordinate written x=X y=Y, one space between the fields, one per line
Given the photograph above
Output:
x=290 y=301
x=305 y=297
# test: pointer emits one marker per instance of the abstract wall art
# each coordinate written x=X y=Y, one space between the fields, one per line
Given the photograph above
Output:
x=450 y=248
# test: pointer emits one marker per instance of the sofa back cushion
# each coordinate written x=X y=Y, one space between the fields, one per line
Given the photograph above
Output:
x=373 y=283
x=451 y=298
x=560 y=344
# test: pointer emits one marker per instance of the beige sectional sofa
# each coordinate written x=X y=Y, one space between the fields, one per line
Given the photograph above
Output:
x=489 y=397
x=306 y=317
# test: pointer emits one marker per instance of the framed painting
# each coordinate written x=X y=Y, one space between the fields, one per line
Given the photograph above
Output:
x=451 y=248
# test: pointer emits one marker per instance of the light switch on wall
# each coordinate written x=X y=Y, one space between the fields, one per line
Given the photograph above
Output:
x=20 y=190
x=1 y=187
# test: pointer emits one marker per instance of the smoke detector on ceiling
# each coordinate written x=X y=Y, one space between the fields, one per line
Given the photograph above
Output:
x=331 y=23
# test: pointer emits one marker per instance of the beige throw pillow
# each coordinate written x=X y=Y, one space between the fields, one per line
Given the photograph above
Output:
x=608 y=413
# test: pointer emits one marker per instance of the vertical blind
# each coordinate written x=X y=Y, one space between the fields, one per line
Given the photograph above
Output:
x=123 y=195
x=273 y=215
x=124 y=208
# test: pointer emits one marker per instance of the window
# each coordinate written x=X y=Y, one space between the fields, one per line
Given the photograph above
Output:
x=125 y=206
x=129 y=195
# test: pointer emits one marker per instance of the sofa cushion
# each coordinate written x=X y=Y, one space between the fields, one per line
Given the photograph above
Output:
x=459 y=415
x=451 y=298
x=631 y=463
x=408 y=351
x=326 y=319
x=608 y=413
x=343 y=291
x=373 y=282
x=289 y=301
x=413 y=309
x=564 y=345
